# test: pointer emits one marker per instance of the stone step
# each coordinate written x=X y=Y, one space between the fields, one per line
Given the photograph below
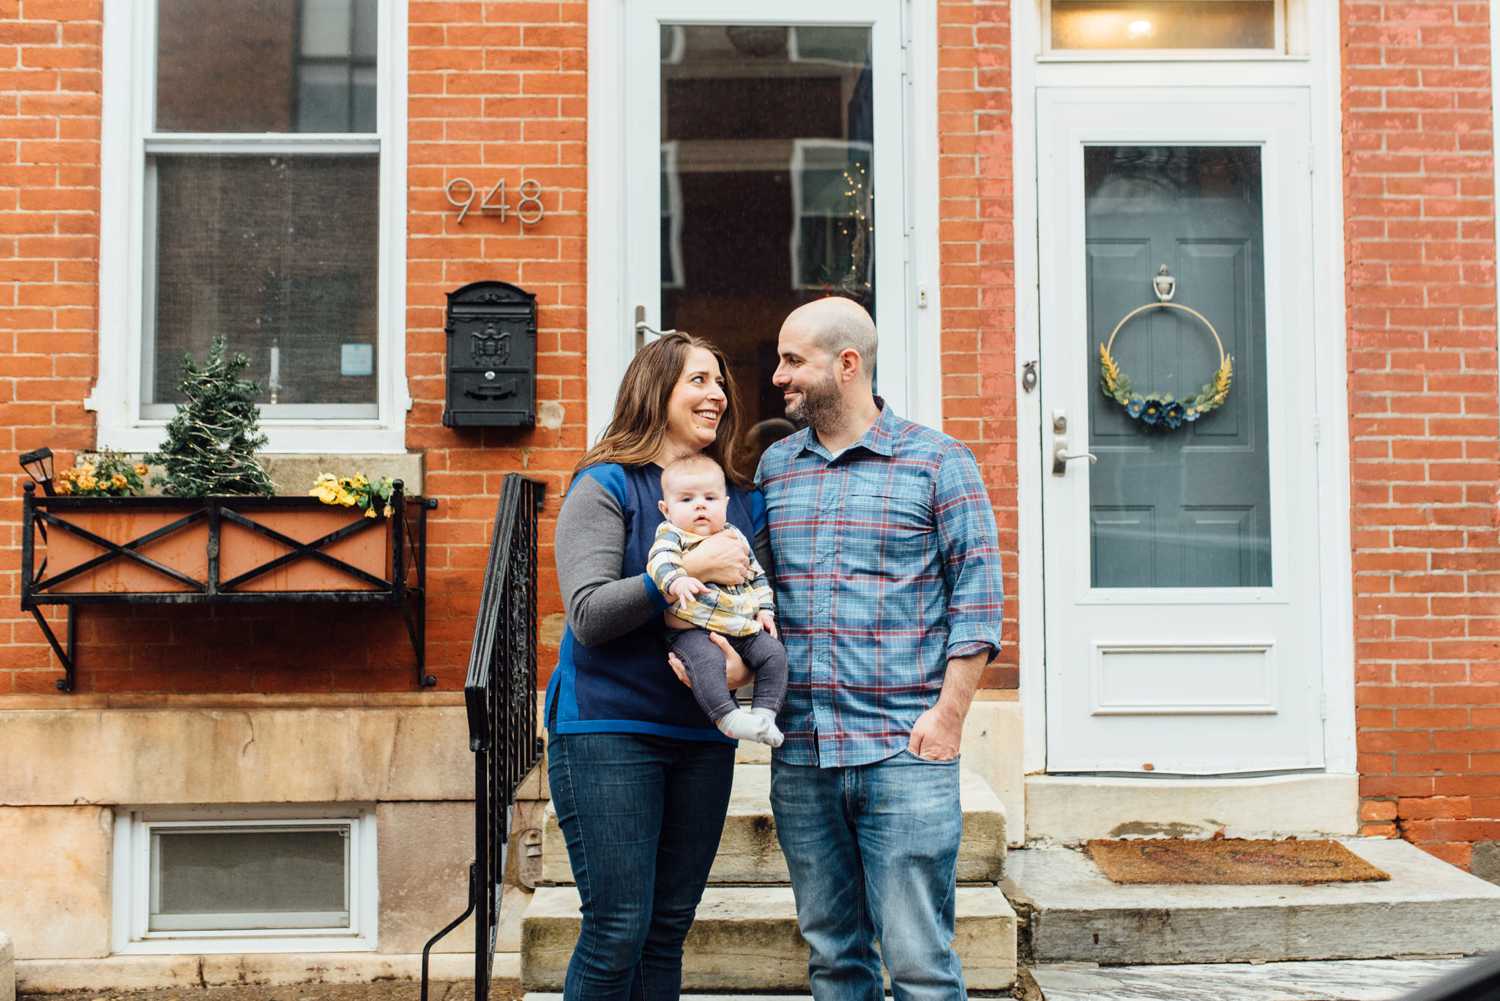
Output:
x=746 y=938
x=1428 y=908
x=1324 y=980
x=749 y=852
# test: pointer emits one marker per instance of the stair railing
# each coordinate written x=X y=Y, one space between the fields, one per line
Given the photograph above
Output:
x=500 y=695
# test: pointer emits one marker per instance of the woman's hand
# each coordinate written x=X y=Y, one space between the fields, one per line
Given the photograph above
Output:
x=735 y=672
x=720 y=559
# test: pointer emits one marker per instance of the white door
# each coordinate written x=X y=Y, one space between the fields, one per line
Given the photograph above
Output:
x=763 y=169
x=1181 y=561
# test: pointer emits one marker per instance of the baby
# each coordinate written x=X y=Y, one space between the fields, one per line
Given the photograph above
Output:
x=695 y=501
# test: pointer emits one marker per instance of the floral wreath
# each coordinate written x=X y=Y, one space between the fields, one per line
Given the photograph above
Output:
x=1158 y=410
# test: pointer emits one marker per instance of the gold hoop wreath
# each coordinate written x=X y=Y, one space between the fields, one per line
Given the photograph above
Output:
x=1157 y=410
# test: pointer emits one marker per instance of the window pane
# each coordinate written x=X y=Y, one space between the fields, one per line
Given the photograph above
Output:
x=1164 y=24
x=1190 y=505
x=250 y=879
x=279 y=255
x=769 y=126
x=238 y=66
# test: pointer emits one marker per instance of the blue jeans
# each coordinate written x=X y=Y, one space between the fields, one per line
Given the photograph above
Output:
x=873 y=853
x=642 y=816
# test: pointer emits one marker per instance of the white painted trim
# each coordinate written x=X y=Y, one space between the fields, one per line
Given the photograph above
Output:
x=126 y=139
x=611 y=337
x=134 y=869
x=1320 y=75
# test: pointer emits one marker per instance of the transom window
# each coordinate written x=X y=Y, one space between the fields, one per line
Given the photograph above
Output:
x=266 y=206
x=1176 y=25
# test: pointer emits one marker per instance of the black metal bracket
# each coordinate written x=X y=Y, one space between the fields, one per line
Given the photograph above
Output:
x=406 y=589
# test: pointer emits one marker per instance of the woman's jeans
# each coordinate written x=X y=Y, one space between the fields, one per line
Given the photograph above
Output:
x=642 y=816
x=873 y=853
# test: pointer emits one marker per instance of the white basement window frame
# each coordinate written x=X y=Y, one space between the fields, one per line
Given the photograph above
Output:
x=136 y=873
x=125 y=422
x=1290 y=43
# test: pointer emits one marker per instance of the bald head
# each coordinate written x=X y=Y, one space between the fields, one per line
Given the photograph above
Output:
x=835 y=325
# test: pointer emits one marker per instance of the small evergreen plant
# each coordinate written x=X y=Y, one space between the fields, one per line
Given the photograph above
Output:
x=211 y=442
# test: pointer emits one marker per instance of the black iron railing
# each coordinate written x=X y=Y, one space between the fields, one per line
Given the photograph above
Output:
x=500 y=693
x=1479 y=981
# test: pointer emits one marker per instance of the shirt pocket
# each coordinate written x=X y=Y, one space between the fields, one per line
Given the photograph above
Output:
x=891 y=535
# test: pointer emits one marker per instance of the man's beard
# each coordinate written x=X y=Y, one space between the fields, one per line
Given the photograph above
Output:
x=821 y=407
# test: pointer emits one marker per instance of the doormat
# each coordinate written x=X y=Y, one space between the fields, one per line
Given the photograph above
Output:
x=1230 y=861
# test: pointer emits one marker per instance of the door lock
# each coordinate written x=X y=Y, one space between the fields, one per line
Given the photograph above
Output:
x=1060 y=454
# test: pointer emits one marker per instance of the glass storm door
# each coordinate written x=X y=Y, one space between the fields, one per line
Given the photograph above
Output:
x=764 y=170
x=1181 y=529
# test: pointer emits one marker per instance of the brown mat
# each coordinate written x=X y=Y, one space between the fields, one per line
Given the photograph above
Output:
x=1226 y=861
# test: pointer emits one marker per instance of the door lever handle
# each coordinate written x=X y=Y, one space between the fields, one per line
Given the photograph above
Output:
x=1061 y=457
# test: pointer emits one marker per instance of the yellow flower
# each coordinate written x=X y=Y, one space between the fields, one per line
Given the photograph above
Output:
x=370 y=512
x=359 y=480
x=87 y=469
x=66 y=474
x=117 y=481
x=87 y=482
x=65 y=487
x=140 y=469
x=324 y=492
x=346 y=498
x=389 y=510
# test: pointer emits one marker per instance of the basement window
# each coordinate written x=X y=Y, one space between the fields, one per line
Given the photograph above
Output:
x=261 y=881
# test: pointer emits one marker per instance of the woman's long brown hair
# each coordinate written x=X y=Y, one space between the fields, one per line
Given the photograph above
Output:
x=639 y=425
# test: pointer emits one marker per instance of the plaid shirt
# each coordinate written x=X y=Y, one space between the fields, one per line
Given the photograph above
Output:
x=887 y=566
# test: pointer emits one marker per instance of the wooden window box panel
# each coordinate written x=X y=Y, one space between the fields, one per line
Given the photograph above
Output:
x=221 y=550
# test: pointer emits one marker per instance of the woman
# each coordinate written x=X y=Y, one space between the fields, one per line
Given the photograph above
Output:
x=639 y=776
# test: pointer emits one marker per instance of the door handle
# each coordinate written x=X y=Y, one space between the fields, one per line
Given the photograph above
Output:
x=1060 y=454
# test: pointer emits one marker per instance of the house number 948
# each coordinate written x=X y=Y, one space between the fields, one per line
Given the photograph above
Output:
x=462 y=195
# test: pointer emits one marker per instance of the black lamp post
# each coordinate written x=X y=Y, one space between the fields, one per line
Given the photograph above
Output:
x=38 y=466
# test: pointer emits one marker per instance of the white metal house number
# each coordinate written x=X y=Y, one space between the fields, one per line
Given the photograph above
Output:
x=528 y=208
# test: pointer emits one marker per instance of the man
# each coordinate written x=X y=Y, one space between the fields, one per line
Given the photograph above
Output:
x=889 y=597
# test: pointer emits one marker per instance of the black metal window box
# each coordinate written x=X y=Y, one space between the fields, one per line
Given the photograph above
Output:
x=221 y=550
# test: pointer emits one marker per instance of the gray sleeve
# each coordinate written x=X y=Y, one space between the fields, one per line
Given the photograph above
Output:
x=590 y=549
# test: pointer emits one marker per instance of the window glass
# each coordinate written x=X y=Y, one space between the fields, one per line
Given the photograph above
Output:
x=265 y=65
x=1164 y=24
x=278 y=255
x=245 y=879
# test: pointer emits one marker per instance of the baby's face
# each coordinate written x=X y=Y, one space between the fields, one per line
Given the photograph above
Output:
x=695 y=500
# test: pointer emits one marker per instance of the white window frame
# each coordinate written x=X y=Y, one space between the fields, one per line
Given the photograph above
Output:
x=124 y=281
x=1290 y=42
x=134 y=874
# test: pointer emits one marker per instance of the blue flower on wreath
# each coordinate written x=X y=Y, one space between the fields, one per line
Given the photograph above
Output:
x=1134 y=407
x=1151 y=412
x=1171 y=415
x=1191 y=414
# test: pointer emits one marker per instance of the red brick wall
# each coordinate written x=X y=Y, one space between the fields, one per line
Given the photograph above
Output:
x=1419 y=185
x=496 y=90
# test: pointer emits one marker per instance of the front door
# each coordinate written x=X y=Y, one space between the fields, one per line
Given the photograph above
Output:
x=764 y=169
x=1179 y=482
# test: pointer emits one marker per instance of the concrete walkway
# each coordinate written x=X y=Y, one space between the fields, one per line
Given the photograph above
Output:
x=1348 y=980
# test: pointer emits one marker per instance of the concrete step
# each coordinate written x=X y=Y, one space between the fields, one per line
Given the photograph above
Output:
x=746 y=938
x=749 y=852
x=1327 y=980
x=1428 y=908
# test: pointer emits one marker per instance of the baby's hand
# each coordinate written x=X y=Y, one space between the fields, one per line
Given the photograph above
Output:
x=684 y=588
x=767 y=620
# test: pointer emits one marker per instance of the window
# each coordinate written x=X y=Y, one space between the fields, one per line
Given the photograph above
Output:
x=263 y=203
x=1156 y=25
x=232 y=881
x=833 y=239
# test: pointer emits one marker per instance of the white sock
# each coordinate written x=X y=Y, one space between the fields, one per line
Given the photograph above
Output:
x=741 y=724
x=773 y=736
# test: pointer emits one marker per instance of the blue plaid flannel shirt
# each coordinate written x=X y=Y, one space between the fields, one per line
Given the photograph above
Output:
x=887 y=565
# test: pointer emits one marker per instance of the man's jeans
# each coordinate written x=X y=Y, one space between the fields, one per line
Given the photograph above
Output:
x=873 y=853
x=642 y=816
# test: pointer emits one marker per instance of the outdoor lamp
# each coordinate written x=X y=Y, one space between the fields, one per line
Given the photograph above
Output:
x=38 y=466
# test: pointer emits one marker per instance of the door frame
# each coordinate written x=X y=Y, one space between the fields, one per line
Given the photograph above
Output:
x=1318 y=72
x=610 y=338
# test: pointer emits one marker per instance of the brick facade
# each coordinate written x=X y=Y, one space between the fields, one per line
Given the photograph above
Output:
x=1420 y=236
x=499 y=88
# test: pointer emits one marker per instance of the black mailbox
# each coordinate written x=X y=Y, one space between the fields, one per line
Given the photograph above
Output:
x=491 y=332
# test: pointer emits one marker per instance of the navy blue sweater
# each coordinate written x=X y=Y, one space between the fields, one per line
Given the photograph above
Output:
x=612 y=674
